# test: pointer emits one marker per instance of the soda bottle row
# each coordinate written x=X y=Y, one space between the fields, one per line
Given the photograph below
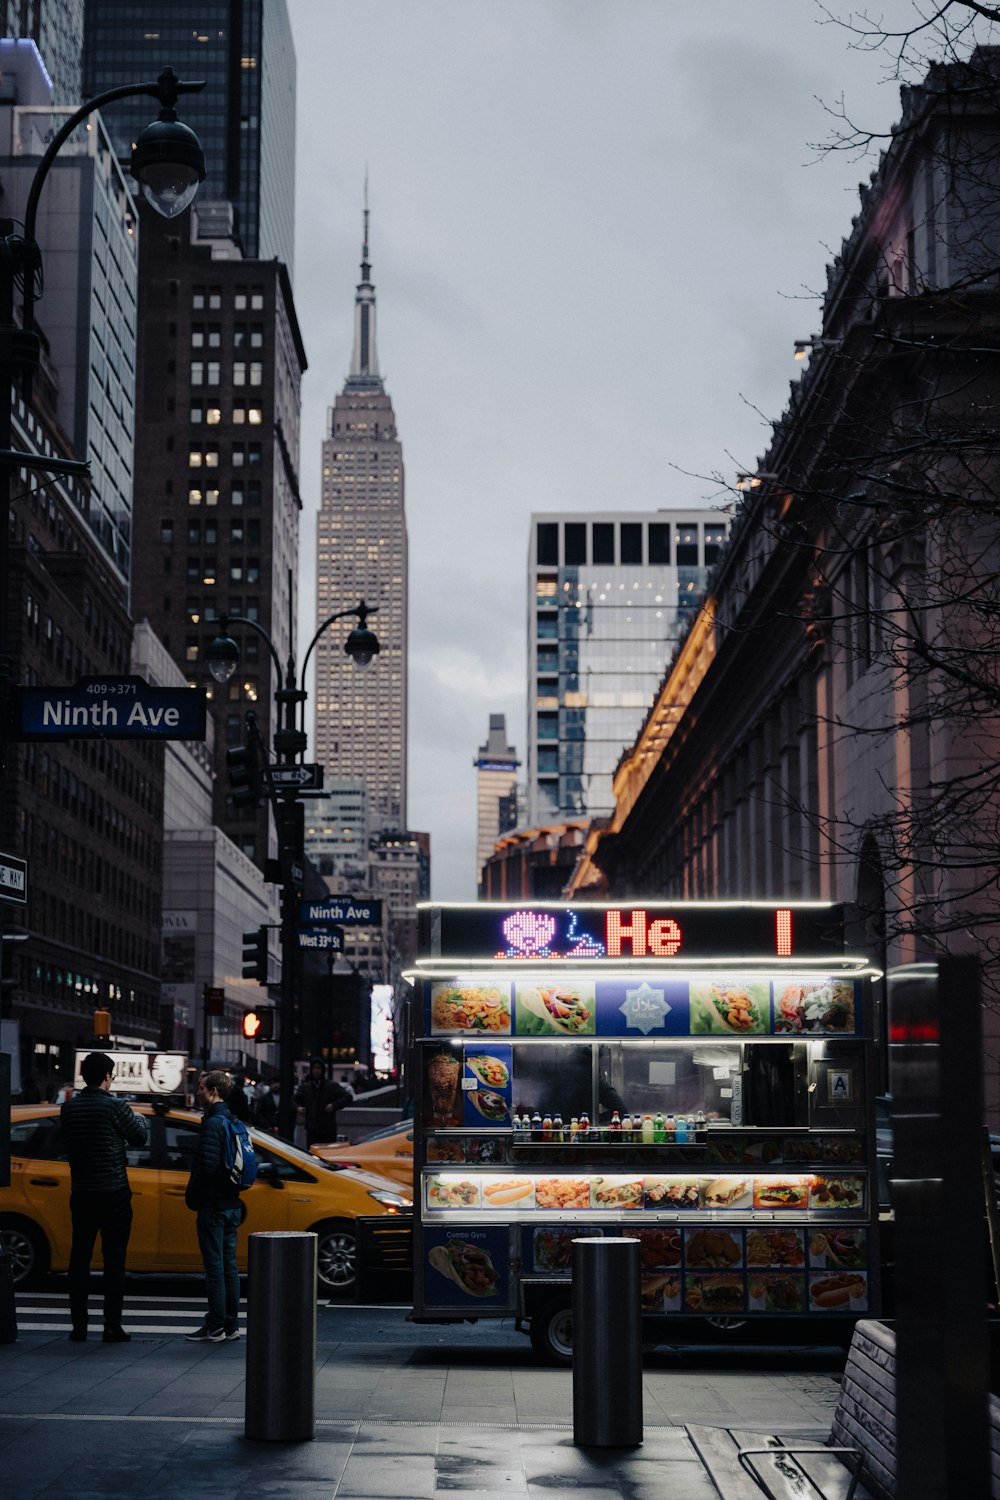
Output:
x=655 y=1130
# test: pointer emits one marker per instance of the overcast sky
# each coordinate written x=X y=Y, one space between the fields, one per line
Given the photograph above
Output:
x=597 y=228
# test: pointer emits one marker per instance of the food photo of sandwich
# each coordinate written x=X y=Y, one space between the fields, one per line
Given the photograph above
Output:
x=489 y=1104
x=616 y=1192
x=771 y=1291
x=660 y=1291
x=780 y=1192
x=838 y=1249
x=727 y=1192
x=775 y=1247
x=846 y=1292
x=493 y=1072
x=559 y=1009
x=468 y=1266
x=509 y=1192
x=720 y=1293
x=452 y=1192
x=740 y=1008
x=672 y=1192
x=836 y=1192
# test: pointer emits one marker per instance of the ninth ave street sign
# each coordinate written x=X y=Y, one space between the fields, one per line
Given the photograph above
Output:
x=346 y=911
x=122 y=708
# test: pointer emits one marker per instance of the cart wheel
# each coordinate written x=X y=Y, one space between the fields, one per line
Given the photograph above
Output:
x=551 y=1331
x=725 y=1325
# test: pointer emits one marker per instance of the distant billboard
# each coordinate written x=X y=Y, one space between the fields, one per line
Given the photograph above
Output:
x=383 y=1054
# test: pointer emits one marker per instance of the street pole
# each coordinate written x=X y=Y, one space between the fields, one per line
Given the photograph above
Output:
x=290 y=743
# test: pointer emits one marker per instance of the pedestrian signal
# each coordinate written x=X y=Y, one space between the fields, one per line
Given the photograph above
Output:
x=258 y=1025
x=102 y=1024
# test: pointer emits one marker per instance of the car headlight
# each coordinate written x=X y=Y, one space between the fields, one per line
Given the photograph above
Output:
x=390 y=1200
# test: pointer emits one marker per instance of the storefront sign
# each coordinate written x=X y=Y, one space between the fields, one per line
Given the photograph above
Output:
x=585 y=933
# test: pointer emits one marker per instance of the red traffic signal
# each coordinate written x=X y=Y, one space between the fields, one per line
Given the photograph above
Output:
x=258 y=1025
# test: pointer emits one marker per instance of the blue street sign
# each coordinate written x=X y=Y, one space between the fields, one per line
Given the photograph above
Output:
x=123 y=708
x=321 y=939
x=347 y=910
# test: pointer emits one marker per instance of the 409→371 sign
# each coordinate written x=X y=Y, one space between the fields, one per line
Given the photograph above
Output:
x=124 y=708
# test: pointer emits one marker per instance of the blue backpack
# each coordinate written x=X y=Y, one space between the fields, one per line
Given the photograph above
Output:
x=239 y=1163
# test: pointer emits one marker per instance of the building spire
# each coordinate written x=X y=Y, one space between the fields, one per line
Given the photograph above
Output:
x=364 y=359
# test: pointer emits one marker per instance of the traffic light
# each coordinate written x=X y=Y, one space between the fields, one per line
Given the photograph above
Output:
x=245 y=781
x=258 y=1025
x=255 y=955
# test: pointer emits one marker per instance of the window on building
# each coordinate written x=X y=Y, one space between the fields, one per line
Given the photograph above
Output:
x=213 y=372
x=213 y=416
x=715 y=540
x=239 y=372
x=659 y=544
x=215 y=296
x=256 y=372
x=603 y=542
x=547 y=543
x=575 y=544
x=197 y=372
x=167 y=532
x=194 y=533
x=197 y=415
x=631 y=542
x=686 y=546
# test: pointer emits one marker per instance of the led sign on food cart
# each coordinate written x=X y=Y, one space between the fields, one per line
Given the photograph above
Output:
x=684 y=932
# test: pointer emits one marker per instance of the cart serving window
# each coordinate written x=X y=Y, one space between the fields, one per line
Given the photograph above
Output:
x=697 y=1075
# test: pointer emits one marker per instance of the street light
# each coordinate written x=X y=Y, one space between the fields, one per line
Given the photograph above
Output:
x=290 y=741
x=168 y=163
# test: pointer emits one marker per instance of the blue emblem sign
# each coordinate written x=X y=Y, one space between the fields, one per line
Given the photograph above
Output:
x=97 y=708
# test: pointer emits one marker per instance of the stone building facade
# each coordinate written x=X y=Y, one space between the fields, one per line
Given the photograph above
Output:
x=829 y=727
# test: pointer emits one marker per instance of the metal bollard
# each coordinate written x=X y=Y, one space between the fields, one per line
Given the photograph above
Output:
x=607 y=1344
x=281 y=1338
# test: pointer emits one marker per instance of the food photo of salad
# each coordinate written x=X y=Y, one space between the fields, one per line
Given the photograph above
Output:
x=739 y=1008
x=804 y=1005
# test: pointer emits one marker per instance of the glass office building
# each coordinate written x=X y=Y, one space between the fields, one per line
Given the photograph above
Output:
x=244 y=118
x=609 y=596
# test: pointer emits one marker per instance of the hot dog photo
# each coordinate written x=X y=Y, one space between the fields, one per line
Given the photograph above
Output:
x=847 y=1292
x=509 y=1192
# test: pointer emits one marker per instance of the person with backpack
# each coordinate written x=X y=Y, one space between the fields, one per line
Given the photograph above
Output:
x=220 y=1171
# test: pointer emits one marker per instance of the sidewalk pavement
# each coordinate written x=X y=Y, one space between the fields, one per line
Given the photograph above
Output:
x=162 y=1419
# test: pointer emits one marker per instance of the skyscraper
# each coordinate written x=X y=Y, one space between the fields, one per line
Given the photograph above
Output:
x=608 y=596
x=244 y=118
x=56 y=28
x=86 y=228
x=362 y=553
x=496 y=790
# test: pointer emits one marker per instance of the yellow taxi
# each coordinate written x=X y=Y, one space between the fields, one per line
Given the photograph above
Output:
x=389 y=1152
x=293 y=1191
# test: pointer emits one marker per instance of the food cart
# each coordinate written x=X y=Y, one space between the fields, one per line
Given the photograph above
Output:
x=697 y=1075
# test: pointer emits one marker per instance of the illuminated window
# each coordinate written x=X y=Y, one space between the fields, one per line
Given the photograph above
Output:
x=213 y=416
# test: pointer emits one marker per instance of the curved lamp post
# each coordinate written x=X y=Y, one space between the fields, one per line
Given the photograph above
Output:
x=290 y=741
x=168 y=163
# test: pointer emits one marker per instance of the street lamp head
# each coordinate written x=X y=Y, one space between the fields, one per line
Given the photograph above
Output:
x=167 y=160
x=223 y=657
x=362 y=644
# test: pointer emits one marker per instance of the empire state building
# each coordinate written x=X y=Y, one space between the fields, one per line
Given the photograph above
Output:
x=362 y=554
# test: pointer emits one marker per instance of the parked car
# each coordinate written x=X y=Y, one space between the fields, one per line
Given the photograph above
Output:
x=293 y=1191
x=388 y=1151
